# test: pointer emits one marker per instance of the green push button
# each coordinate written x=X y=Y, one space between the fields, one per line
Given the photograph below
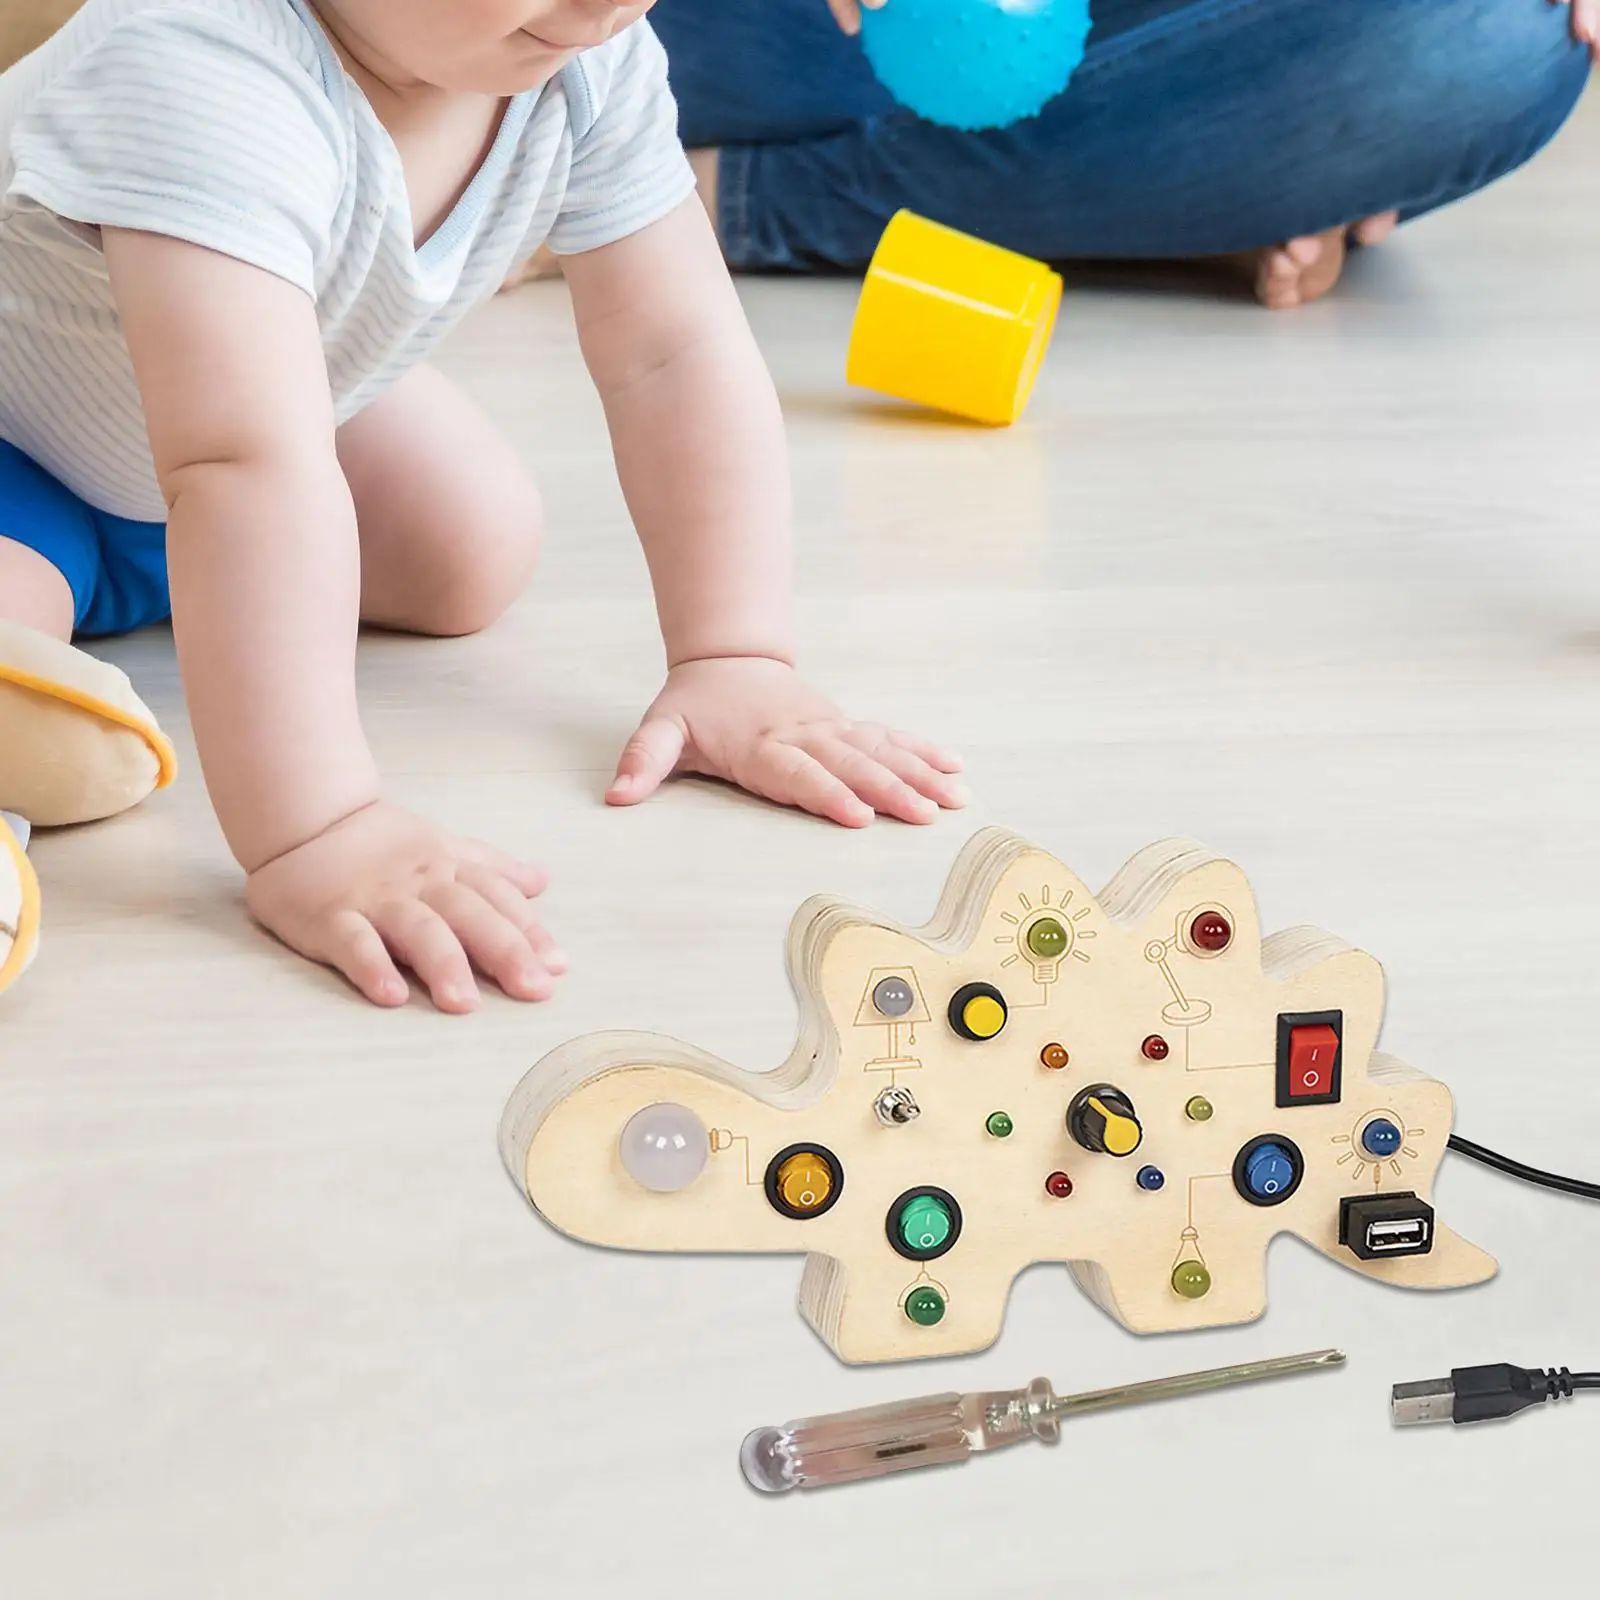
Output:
x=924 y=1223
x=925 y=1307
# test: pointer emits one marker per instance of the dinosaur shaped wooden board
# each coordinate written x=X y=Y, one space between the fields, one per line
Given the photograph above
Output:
x=1135 y=1083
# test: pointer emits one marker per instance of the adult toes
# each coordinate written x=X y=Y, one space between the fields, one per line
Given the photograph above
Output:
x=1278 y=282
x=1374 y=230
x=1278 y=266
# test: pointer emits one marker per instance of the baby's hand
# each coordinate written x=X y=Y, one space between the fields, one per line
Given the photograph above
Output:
x=752 y=721
x=383 y=887
x=1585 y=23
x=849 y=12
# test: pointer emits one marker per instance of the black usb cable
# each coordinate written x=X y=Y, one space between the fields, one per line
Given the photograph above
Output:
x=1483 y=1394
x=1490 y=1393
x=1521 y=1171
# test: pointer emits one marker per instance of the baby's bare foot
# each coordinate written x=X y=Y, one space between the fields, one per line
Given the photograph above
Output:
x=1302 y=270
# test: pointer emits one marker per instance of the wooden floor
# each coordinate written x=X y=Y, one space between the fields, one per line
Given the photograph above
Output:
x=1322 y=589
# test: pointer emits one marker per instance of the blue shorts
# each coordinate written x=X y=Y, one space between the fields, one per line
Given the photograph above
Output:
x=116 y=569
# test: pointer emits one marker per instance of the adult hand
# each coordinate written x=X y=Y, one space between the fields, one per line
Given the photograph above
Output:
x=1585 y=22
x=753 y=722
x=849 y=12
x=383 y=887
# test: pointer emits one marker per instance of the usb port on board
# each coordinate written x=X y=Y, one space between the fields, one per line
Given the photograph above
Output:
x=1376 y=1227
x=1397 y=1235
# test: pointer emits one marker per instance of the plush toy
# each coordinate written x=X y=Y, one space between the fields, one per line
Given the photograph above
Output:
x=19 y=902
x=76 y=744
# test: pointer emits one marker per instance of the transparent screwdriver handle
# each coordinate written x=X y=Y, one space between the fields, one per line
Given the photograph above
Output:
x=929 y=1432
x=941 y=1428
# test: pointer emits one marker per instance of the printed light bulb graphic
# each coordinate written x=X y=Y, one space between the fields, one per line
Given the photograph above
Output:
x=1047 y=933
x=1045 y=942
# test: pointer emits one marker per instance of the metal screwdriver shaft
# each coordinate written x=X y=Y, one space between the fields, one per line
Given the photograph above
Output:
x=941 y=1428
x=1133 y=1394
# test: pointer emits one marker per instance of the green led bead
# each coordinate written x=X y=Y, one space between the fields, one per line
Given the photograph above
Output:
x=1191 y=1280
x=1047 y=939
x=925 y=1307
x=924 y=1223
x=999 y=1125
x=1198 y=1109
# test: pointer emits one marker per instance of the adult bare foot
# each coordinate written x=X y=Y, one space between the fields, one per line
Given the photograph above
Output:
x=1302 y=270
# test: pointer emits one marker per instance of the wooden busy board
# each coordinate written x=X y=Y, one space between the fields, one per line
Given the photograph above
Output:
x=1133 y=1082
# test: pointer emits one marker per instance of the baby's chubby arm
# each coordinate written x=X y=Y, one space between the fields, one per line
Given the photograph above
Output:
x=261 y=538
x=700 y=447
x=264 y=560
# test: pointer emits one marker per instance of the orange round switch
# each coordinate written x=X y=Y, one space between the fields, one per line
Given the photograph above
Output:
x=805 y=1182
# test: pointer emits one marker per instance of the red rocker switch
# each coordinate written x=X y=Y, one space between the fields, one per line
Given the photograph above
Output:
x=1312 y=1052
x=1308 y=1057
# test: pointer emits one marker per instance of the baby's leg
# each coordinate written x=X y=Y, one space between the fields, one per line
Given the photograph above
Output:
x=76 y=741
x=449 y=516
x=33 y=591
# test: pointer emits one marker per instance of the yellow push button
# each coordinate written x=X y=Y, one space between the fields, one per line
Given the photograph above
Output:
x=984 y=1017
x=977 y=1011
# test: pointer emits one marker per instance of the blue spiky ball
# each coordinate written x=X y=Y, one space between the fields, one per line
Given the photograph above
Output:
x=976 y=64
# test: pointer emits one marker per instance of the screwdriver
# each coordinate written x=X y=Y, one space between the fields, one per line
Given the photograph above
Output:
x=940 y=1428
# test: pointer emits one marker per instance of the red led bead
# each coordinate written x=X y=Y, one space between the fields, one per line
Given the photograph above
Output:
x=1155 y=1048
x=1059 y=1185
x=1210 y=931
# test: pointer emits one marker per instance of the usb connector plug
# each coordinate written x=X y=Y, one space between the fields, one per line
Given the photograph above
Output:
x=1483 y=1394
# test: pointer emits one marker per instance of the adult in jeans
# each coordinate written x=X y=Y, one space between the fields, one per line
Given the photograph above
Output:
x=1274 y=132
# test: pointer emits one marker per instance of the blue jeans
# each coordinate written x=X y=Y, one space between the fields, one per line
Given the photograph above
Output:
x=1192 y=128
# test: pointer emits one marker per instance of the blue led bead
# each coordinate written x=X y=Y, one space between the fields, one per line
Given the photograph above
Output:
x=1380 y=1138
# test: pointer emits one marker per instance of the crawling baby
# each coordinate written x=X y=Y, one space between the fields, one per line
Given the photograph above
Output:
x=232 y=232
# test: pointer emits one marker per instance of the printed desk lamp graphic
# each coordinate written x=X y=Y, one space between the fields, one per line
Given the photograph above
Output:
x=1134 y=1083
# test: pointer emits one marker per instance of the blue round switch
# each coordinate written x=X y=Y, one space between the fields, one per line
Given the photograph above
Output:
x=1380 y=1137
x=1269 y=1171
